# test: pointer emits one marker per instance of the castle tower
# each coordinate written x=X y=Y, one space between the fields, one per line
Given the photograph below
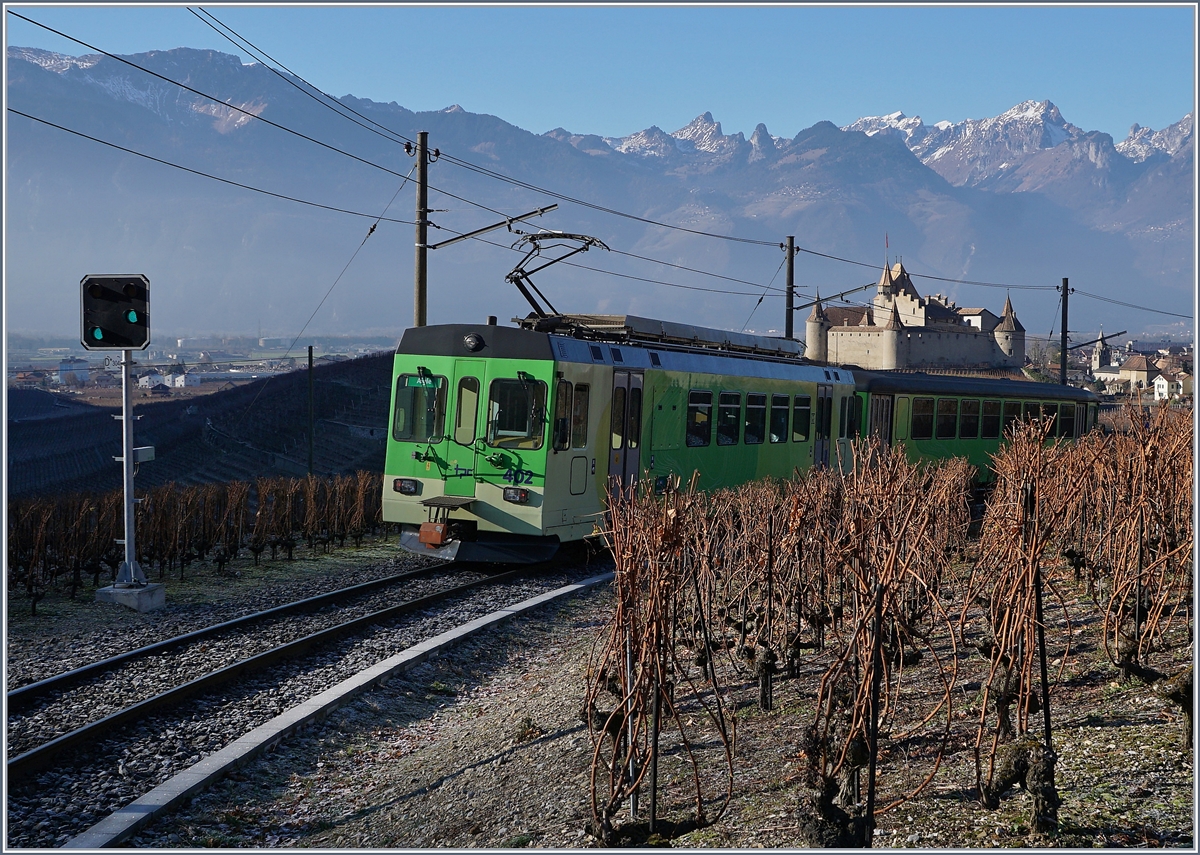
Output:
x=816 y=329
x=893 y=344
x=1010 y=335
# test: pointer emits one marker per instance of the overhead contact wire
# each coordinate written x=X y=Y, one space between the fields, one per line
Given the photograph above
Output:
x=198 y=172
x=353 y=256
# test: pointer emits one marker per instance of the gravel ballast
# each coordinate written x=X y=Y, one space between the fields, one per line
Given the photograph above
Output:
x=483 y=747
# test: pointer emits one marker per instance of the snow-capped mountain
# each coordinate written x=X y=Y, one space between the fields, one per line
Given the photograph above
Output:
x=1143 y=143
x=1025 y=196
x=976 y=151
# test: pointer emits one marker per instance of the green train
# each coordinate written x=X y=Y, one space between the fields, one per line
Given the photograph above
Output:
x=502 y=440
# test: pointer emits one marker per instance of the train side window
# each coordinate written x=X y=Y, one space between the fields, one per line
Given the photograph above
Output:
x=618 y=418
x=947 y=418
x=699 y=419
x=779 y=418
x=801 y=416
x=922 y=418
x=562 y=415
x=1033 y=411
x=420 y=408
x=756 y=418
x=466 y=411
x=635 y=418
x=579 y=415
x=1066 y=415
x=729 y=417
x=990 y=426
x=1050 y=413
x=968 y=424
x=1012 y=413
x=517 y=414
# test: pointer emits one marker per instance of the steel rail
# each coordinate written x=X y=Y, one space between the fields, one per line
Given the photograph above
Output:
x=24 y=697
x=39 y=758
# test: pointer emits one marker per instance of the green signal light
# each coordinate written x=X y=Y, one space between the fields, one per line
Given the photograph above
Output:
x=98 y=334
x=132 y=316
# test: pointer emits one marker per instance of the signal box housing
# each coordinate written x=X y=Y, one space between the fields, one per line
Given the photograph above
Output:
x=114 y=312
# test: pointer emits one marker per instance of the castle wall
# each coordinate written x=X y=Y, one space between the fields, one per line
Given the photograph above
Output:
x=919 y=348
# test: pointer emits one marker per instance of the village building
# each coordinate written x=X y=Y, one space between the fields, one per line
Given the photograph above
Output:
x=1139 y=372
x=184 y=380
x=1168 y=385
x=901 y=329
x=151 y=379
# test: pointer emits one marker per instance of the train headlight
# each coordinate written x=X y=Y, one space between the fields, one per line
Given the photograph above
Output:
x=516 y=495
x=407 y=486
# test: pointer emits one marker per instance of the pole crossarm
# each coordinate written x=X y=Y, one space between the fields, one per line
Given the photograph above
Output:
x=812 y=303
x=1100 y=340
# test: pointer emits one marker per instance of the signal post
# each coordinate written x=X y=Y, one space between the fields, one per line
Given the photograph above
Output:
x=115 y=316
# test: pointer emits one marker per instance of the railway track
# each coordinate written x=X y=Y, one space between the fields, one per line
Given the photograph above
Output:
x=77 y=753
x=30 y=695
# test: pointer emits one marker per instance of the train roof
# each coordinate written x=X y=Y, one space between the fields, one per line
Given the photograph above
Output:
x=632 y=329
x=909 y=382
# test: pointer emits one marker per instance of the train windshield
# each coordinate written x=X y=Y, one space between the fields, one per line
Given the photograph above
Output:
x=420 y=414
x=516 y=414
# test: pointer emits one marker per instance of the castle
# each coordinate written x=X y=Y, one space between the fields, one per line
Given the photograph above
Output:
x=901 y=329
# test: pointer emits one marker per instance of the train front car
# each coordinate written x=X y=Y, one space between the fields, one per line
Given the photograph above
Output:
x=471 y=448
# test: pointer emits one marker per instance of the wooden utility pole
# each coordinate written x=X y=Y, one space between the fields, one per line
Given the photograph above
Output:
x=310 y=409
x=1062 y=357
x=421 y=265
x=789 y=321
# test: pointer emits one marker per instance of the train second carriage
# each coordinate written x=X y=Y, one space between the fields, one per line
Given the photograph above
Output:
x=503 y=440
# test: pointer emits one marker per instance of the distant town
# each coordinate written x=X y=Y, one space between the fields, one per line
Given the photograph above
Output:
x=173 y=367
x=1154 y=370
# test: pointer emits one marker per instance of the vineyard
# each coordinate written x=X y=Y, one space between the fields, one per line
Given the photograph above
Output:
x=880 y=587
x=256 y=430
x=874 y=596
x=56 y=542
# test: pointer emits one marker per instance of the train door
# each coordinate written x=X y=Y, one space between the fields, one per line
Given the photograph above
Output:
x=822 y=429
x=625 y=450
x=881 y=418
x=463 y=430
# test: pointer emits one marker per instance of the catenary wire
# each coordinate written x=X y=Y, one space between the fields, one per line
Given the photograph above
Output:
x=1130 y=305
x=353 y=256
x=493 y=174
x=764 y=294
x=370 y=163
x=159 y=160
x=360 y=213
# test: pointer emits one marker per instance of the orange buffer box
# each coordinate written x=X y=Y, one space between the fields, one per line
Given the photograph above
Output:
x=432 y=534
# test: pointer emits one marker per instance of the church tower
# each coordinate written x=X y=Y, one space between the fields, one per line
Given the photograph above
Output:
x=1101 y=355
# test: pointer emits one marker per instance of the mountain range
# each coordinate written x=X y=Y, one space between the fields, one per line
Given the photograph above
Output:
x=1021 y=199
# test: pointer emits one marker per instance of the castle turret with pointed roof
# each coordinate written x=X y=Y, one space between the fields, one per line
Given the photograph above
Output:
x=816 y=331
x=1010 y=335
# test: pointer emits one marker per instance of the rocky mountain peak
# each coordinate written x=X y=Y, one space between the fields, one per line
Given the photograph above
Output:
x=1144 y=143
x=52 y=61
x=704 y=134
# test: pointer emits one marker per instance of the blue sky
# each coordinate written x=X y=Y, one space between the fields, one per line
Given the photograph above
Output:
x=616 y=70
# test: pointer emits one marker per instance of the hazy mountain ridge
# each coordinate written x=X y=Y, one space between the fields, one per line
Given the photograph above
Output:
x=1035 y=194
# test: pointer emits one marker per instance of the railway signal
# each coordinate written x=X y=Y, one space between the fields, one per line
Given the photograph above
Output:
x=115 y=312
